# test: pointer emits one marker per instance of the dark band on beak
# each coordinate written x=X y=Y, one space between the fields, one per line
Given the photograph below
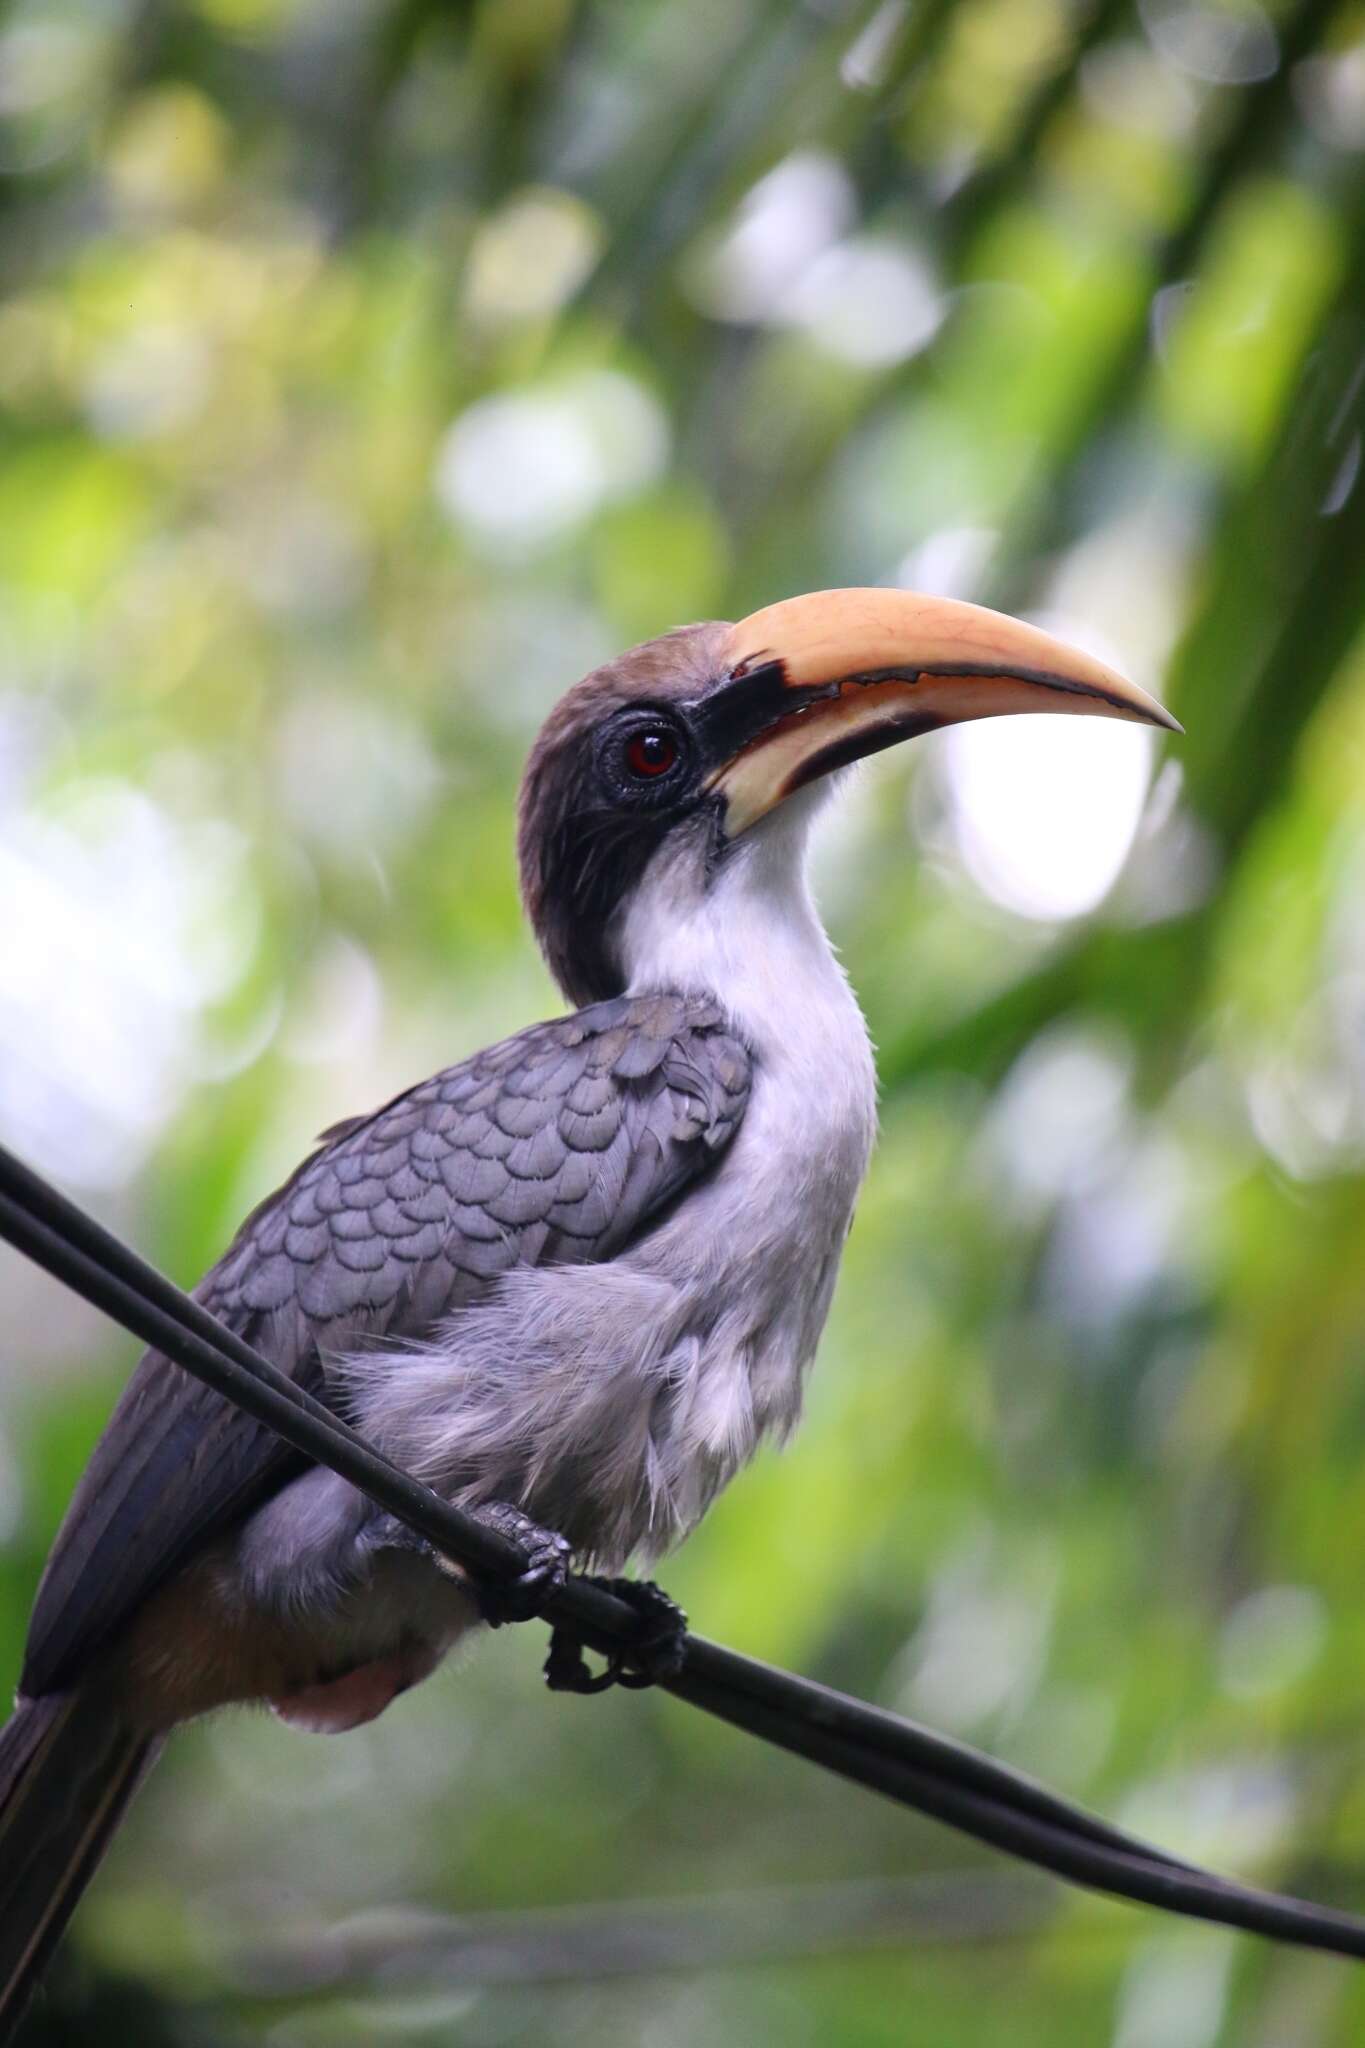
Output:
x=755 y=701
x=1045 y=679
x=816 y=683
x=750 y=703
x=856 y=747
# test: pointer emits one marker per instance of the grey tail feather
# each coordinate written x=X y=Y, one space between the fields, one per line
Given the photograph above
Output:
x=68 y=1768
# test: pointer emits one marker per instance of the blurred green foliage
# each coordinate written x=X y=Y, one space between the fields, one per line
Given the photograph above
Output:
x=369 y=372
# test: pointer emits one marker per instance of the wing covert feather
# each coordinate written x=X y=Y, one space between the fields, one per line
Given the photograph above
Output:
x=562 y=1143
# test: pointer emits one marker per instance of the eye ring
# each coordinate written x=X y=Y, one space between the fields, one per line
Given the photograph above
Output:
x=651 y=752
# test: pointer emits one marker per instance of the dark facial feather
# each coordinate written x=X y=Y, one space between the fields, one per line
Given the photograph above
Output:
x=579 y=855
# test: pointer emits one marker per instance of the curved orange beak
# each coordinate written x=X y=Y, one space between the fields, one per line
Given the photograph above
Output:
x=848 y=672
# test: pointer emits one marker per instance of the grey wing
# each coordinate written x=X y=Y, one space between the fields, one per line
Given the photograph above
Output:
x=563 y=1143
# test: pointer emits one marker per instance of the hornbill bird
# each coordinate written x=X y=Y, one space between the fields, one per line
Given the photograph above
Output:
x=570 y=1282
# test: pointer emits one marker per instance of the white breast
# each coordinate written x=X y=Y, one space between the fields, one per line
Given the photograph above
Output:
x=753 y=1253
x=613 y=1401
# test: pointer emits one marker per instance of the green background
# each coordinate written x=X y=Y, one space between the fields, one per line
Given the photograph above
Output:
x=367 y=373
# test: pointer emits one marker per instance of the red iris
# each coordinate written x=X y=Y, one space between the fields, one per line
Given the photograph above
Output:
x=651 y=753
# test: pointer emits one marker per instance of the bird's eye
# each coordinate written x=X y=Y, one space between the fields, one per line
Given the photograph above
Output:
x=651 y=752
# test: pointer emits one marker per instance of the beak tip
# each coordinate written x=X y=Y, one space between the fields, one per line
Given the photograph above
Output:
x=1146 y=709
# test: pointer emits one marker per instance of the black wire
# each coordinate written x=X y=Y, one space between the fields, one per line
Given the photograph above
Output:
x=110 y=1276
x=1139 y=1873
x=916 y=1767
x=877 y=1735
x=54 y=1232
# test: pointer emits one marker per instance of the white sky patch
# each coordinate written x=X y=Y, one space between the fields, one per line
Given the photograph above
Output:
x=948 y=563
x=1331 y=94
x=1118 y=1238
x=50 y=78
x=1271 y=1639
x=352 y=776
x=148 y=383
x=341 y=1007
x=1125 y=83
x=298 y=554
x=1236 y=1812
x=120 y=926
x=1221 y=45
x=789 y=259
x=867 y=60
x=783 y=224
x=1045 y=810
x=518 y=470
x=981 y=1647
x=1061 y=1117
x=1174 y=1993
x=871 y=301
x=530 y=256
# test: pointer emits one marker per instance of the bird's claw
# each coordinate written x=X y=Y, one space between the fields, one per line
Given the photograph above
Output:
x=548 y=1555
x=500 y=1600
x=654 y=1654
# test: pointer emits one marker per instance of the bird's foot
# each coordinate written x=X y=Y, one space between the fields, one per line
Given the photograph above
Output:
x=548 y=1555
x=499 y=1600
x=654 y=1654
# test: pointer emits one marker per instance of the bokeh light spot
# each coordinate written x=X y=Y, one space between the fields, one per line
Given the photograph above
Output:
x=1046 y=809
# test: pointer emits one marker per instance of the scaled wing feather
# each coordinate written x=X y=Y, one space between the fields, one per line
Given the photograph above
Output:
x=561 y=1144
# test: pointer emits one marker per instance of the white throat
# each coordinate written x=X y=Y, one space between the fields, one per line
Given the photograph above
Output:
x=752 y=1253
x=750 y=936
